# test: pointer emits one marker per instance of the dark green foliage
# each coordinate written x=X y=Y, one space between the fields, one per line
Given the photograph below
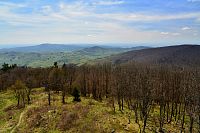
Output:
x=56 y=64
x=6 y=67
x=76 y=94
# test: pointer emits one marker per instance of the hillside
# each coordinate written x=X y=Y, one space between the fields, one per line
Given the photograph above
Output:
x=99 y=98
x=45 y=59
x=101 y=51
x=89 y=116
x=187 y=55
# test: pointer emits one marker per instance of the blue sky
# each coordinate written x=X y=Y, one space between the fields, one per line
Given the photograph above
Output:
x=156 y=22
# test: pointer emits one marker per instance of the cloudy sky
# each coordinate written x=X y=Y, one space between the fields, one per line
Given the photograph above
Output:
x=100 y=21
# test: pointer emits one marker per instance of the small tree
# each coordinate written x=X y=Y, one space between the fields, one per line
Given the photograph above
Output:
x=20 y=90
x=5 y=67
x=55 y=82
x=76 y=94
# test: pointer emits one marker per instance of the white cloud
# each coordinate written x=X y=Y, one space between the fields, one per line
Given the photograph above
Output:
x=91 y=35
x=46 y=9
x=149 y=18
x=193 y=0
x=164 y=33
x=78 y=22
x=62 y=6
x=81 y=11
x=170 y=33
x=185 y=28
x=176 y=34
x=109 y=2
x=195 y=34
x=10 y=4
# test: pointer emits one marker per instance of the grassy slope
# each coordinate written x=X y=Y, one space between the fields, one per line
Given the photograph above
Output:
x=87 y=116
x=9 y=114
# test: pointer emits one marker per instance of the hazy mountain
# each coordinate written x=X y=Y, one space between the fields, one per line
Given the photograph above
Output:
x=92 y=53
x=107 y=50
x=45 y=48
x=187 y=55
x=65 y=48
x=97 y=50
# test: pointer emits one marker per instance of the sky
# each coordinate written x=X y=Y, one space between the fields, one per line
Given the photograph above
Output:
x=151 y=22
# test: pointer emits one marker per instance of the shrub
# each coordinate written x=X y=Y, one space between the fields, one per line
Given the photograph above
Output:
x=67 y=120
x=37 y=117
x=76 y=95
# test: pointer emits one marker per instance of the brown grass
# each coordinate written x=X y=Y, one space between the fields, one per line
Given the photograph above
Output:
x=67 y=120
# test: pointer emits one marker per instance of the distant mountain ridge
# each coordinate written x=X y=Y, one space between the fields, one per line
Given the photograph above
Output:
x=185 y=55
x=45 y=55
x=44 y=48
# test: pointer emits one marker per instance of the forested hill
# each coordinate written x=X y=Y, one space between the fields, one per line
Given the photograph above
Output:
x=186 y=55
x=44 y=55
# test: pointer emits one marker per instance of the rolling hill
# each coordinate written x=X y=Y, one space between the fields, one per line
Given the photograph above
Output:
x=33 y=56
x=103 y=51
x=186 y=55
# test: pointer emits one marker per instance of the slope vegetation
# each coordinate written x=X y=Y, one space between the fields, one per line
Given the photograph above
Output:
x=47 y=54
x=186 y=55
x=89 y=116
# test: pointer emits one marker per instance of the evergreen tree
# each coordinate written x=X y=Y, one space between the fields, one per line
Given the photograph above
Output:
x=76 y=94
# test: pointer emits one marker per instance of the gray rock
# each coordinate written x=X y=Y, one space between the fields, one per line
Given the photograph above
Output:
x=113 y=131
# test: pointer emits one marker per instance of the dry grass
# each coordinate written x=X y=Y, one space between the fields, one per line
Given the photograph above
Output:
x=9 y=113
x=83 y=117
x=67 y=120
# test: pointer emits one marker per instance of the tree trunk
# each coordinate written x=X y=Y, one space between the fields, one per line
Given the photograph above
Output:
x=176 y=108
x=136 y=113
x=63 y=97
x=113 y=104
x=161 y=117
x=18 y=100
x=167 y=112
x=191 y=123
x=28 y=98
x=183 y=119
x=122 y=103
x=145 y=123
x=172 y=113
x=119 y=104
x=49 y=98
x=199 y=123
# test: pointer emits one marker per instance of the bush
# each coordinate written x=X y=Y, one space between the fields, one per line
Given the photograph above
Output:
x=76 y=95
x=67 y=120
x=37 y=117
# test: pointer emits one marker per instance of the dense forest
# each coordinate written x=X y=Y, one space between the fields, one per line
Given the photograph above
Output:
x=142 y=88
